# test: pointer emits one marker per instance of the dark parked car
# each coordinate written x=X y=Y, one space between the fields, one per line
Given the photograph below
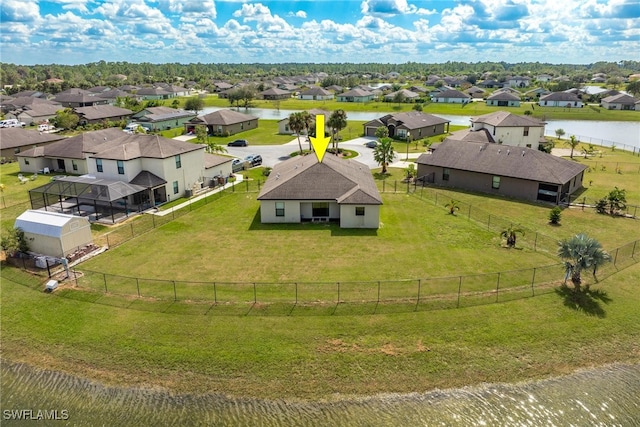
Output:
x=371 y=144
x=254 y=159
x=238 y=143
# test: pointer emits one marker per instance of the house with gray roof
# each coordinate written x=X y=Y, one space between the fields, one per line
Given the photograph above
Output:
x=355 y=95
x=516 y=172
x=274 y=94
x=284 y=129
x=302 y=189
x=141 y=170
x=101 y=113
x=413 y=124
x=503 y=99
x=13 y=141
x=621 y=101
x=35 y=113
x=560 y=99
x=451 y=96
x=73 y=100
x=155 y=93
x=316 y=93
x=223 y=122
x=162 y=118
x=408 y=96
x=509 y=129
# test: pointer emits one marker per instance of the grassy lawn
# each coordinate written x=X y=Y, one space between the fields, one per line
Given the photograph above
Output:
x=473 y=109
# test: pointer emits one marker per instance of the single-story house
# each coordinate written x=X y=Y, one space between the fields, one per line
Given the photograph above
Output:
x=619 y=102
x=162 y=118
x=521 y=173
x=408 y=95
x=543 y=78
x=503 y=99
x=519 y=81
x=475 y=92
x=223 y=122
x=560 y=99
x=101 y=113
x=217 y=167
x=510 y=129
x=356 y=95
x=284 y=129
x=451 y=96
x=13 y=141
x=274 y=94
x=73 y=100
x=20 y=102
x=35 y=113
x=54 y=234
x=536 y=93
x=303 y=189
x=154 y=93
x=316 y=94
x=412 y=124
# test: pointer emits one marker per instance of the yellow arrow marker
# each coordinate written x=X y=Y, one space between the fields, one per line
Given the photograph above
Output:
x=320 y=143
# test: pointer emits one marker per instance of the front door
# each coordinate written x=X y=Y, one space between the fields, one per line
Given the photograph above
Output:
x=61 y=164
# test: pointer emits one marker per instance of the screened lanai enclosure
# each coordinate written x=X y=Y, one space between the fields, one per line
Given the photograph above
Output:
x=101 y=200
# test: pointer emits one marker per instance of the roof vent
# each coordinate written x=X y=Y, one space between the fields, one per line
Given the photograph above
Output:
x=508 y=152
x=522 y=153
x=499 y=150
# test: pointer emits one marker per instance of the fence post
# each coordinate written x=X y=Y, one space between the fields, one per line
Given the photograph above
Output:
x=459 y=289
x=469 y=214
x=338 y=292
x=498 y=287
x=395 y=186
x=132 y=235
x=633 y=251
x=215 y=294
x=75 y=276
x=378 y=291
x=489 y=223
x=419 y=288
x=104 y=279
x=296 y=293
x=615 y=258
x=108 y=245
x=533 y=279
x=175 y=295
x=535 y=242
x=384 y=185
x=153 y=218
x=255 y=295
x=436 y=202
x=138 y=286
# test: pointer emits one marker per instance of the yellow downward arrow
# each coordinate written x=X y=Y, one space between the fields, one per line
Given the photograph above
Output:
x=320 y=142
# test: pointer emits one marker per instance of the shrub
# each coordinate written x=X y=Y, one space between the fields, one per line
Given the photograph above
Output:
x=555 y=215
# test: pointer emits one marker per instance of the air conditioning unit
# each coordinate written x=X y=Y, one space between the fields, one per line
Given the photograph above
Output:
x=51 y=286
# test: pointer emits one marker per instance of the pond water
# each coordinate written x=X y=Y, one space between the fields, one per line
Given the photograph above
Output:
x=624 y=135
x=606 y=396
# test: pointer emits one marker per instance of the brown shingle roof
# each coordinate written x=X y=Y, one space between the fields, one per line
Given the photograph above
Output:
x=97 y=112
x=148 y=146
x=18 y=137
x=506 y=119
x=304 y=178
x=223 y=117
x=212 y=160
x=496 y=159
x=76 y=146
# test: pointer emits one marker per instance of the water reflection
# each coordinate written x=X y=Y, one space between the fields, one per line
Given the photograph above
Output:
x=606 y=396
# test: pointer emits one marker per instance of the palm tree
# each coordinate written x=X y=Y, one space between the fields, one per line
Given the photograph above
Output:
x=560 y=133
x=307 y=120
x=581 y=252
x=511 y=233
x=297 y=124
x=384 y=153
x=573 y=143
x=337 y=122
x=452 y=206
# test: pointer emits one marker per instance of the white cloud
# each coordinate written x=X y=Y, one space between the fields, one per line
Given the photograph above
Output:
x=299 y=14
x=79 y=5
x=391 y=7
x=19 y=11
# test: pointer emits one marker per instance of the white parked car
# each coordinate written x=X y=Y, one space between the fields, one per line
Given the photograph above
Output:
x=11 y=123
x=45 y=127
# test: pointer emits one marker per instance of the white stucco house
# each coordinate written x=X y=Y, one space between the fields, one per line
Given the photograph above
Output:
x=302 y=189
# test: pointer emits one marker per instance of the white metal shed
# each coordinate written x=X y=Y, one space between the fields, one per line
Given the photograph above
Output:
x=54 y=234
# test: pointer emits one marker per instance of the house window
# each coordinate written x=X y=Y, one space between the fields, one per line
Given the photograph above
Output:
x=120 y=167
x=279 y=208
x=495 y=184
x=178 y=162
x=175 y=187
x=445 y=174
x=74 y=165
x=359 y=210
x=526 y=131
x=99 y=165
x=26 y=162
x=241 y=126
x=320 y=209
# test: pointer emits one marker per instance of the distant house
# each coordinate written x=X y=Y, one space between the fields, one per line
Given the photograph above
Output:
x=519 y=81
x=536 y=93
x=520 y=173
x=474 y=92
x=316 y=94
x=162 y=118
x=560 y=99
x=283 y=125
x=407 y=95
x=154 y=93
x=302 y=189
x=35 y=113
x=416 y=124
x=451 y=96
x=13 y=141
x=503 y=99
x=543 y=78
x=223 y=122
x=356 y=95
x=619 y=102
x=273 y=94
x=73 y=100
x=54 y=234
x=509 y=129
x=101 y=113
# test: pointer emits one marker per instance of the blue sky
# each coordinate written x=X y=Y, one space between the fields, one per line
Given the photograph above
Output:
x=388 y=31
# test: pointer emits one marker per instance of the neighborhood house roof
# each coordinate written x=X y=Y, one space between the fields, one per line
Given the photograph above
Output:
x=212 y=160
x=159 y=114
x=133 y=146
x=506 y=119
x=44 y=223
x=356 y=93
x=503 y=96
x=223 y=117
x=316 y=91
x=76 y=146
x=560 y=96
x=452 y=93
x=501 y=160
x=620 y=98
x=304 y=178
x=97 y=112
x=409 y=120
x=18 y=137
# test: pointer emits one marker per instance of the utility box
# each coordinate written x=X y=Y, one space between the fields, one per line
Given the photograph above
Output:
x=51 y=286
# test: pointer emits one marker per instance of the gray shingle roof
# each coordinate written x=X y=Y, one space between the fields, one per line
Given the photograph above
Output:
x=502 y=160
x=212 y=160
x=223 y=117
x=76 y=146
x=560 y=96
x=620 y=98
x=506 y=119
x=97 y=112
x=304 y=178
x=503 y=96
x=148 y=146
x=409 y=120
x=18 y=137
x=452 y=93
